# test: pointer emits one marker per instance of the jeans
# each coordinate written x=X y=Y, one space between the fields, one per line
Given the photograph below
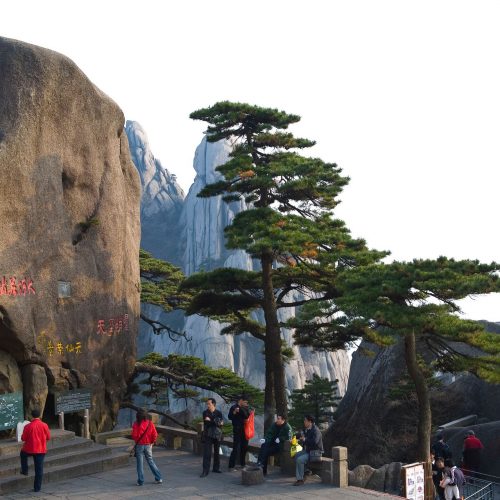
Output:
x=38 y=460
x=240 y=447
x=145 y=450
x=207 y=454
x=301 y=458
x=266 y=450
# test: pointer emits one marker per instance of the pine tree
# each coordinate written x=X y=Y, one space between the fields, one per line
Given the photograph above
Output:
x=288 y=228
x=415 y=301
x=317 y=398
x=182 y=376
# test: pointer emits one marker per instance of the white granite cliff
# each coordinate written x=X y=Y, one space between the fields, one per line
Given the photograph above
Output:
x=162 y=198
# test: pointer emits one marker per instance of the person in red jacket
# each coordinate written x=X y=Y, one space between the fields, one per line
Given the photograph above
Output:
x=35 y=436
x=144 y=434
x=471 y=455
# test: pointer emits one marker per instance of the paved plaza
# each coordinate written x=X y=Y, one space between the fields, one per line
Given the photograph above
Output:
x=181 y=479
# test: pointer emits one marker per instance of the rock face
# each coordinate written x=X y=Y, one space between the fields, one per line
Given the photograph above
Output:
x=69 y=219
x=377 y=429
x=202 y=246
x=161 y=201
x=387 y=478
x=488 y=433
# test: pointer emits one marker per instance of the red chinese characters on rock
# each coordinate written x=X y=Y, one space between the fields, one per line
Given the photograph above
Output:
x=14 y=287
x=114 y=326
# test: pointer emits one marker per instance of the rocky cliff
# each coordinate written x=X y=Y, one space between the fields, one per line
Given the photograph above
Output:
x=200 y=238
x=69 y=219
x=162 y=198
x=378 y=429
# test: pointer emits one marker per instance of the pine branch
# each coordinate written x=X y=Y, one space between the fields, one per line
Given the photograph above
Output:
x=128 y=404
x=159 y=327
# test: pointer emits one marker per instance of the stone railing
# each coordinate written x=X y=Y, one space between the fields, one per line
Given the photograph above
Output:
x=461 y=422
x=332 y=471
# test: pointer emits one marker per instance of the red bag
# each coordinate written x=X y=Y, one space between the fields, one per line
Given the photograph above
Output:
x=248 y=426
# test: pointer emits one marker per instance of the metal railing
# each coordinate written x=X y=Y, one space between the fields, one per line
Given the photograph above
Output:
x=481 y=489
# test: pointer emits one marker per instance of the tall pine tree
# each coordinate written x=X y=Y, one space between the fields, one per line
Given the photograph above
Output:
x=415 y=301
x=288 y=228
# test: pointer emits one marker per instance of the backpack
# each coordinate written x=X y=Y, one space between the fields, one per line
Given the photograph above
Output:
x=248 y=426
x=458 y=477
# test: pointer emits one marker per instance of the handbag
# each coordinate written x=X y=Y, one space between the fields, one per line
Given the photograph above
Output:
x=132 y=449
x=294 y=447
x=315 y=455
x=249 y=426
x=215 y=433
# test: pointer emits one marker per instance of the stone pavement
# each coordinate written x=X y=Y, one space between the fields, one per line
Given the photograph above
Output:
x=181 y=479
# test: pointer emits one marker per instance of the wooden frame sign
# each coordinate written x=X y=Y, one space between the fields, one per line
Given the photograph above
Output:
x=413 y=478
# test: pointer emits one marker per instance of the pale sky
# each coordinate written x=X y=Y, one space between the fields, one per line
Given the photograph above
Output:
x=404 y=96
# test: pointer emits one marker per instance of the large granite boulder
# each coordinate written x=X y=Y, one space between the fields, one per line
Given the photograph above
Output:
x=69 y=219
x=488 y=433
x=10 y=374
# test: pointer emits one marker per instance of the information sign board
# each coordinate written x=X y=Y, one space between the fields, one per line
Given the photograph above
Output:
x=11 y=410
x=414 y=481
x=71 y=401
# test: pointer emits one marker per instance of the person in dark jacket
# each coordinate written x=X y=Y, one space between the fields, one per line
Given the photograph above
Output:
x=471 y=454
x=144 y=434
x=311 y=440
x=438 y=476
x=440 y=449
x=238 y=413
x=274 y=440
x=35 y=436
x=212 y=435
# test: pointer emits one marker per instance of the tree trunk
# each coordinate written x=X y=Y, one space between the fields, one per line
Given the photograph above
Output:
x=273 y=335
x=269 y=404
x=424 y=404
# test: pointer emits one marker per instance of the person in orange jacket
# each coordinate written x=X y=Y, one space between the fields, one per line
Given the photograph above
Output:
x=35 y=436
x=144 y=434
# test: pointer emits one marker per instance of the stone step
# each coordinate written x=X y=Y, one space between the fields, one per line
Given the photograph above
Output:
x=60 y=472
x=66 y=454
x=57 y=448
x=11 y=446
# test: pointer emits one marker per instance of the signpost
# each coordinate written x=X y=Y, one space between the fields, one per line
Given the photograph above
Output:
x=11 y=410
x=413 y=476
x=72 y=401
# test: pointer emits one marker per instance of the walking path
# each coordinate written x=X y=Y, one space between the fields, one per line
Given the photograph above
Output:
x=181 y=479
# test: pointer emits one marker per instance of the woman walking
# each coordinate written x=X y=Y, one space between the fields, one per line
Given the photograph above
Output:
x=144 y=434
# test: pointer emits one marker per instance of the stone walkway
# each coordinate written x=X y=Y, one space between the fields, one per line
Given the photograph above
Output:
x=181 y=479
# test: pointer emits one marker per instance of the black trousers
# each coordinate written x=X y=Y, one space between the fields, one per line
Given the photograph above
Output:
x=266 y=450
x=207 y=454
x=38 y=460
x=240 y=448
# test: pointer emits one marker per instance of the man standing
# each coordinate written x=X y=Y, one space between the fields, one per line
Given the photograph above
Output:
x=311 y=440
x=472 y=453
x=212 y=436
x=275 y=437
x=440 y=449
x=238 y=413
x=35 y=436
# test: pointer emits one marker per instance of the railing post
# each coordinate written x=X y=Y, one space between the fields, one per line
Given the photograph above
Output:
x=340 y=472
x=86 y=423
x=61 y=420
